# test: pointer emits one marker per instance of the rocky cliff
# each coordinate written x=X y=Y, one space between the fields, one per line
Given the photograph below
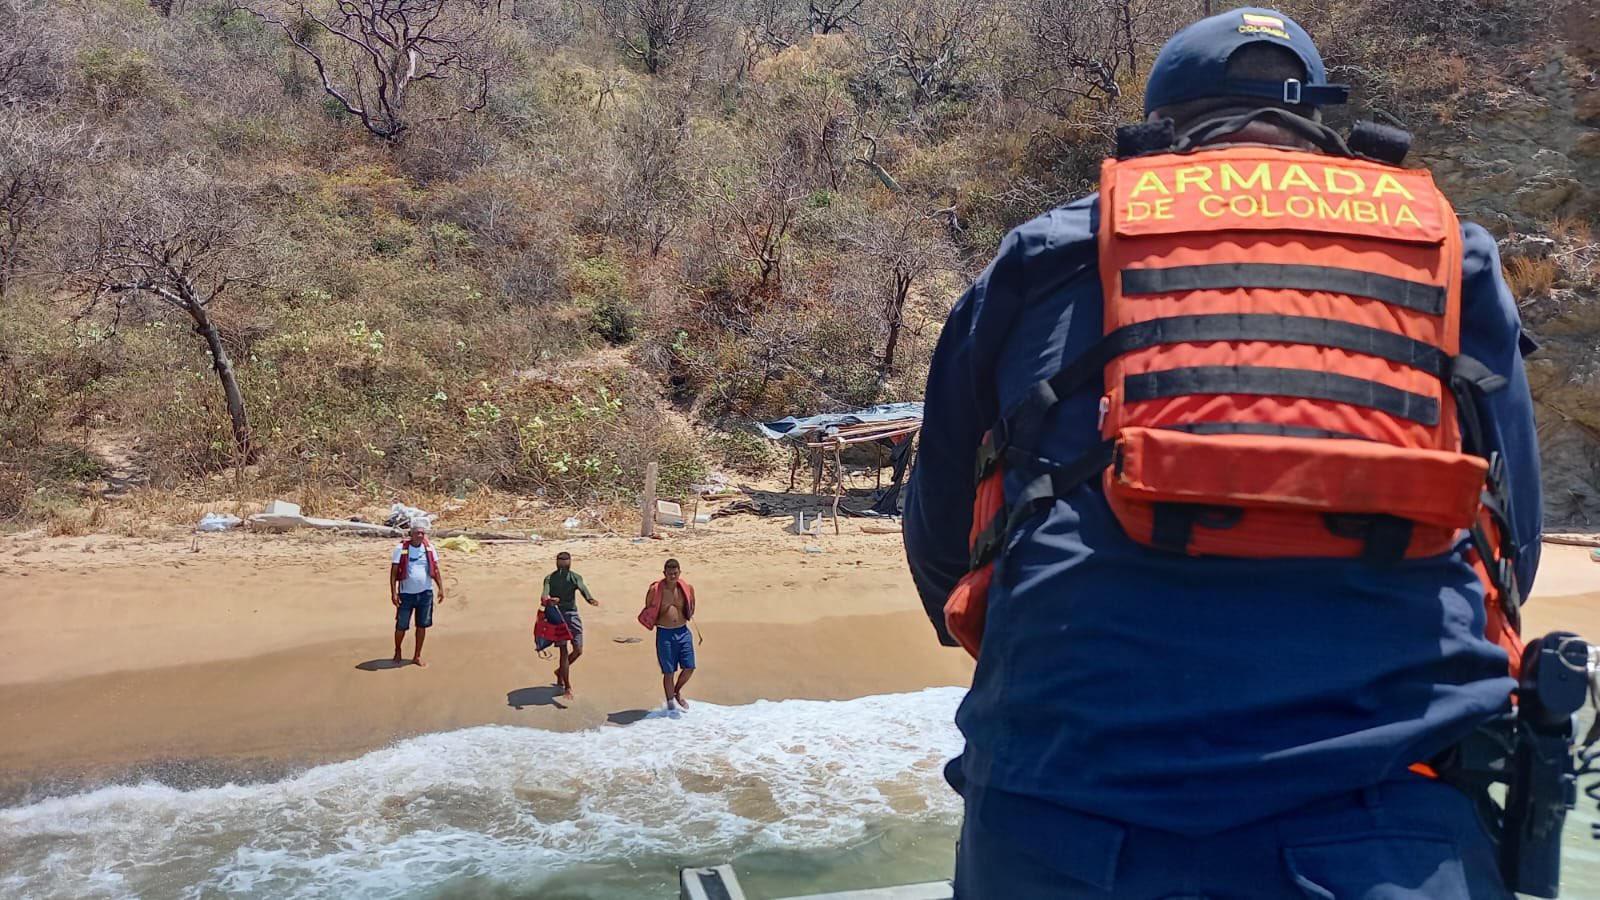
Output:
x=1526 y=165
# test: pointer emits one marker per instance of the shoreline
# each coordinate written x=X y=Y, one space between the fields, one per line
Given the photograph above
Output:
x=272 y=654
x=258 y=657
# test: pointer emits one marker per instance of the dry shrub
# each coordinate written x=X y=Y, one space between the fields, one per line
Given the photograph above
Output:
x=1576 y=230
x=1531 y=277
x=1582 y=30
x=66 y=521
x=15 y=489
x=316 y=498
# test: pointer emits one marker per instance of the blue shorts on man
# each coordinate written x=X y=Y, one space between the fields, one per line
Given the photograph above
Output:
x=674 y=649
x=418 y=605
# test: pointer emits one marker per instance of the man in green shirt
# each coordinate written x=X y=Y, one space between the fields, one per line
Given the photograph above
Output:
x=564 y=585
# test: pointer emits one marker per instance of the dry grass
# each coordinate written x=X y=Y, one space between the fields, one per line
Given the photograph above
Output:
x=15 y=488
x=1531 y=277
x=67 y=521
x=1576 y=230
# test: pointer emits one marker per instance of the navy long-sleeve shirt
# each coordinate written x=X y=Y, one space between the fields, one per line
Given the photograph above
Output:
x=1190 y=694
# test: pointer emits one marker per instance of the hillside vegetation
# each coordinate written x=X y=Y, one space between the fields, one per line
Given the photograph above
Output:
x=388 y=248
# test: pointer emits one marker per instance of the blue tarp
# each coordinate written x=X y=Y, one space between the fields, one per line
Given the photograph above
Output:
x=799 y=429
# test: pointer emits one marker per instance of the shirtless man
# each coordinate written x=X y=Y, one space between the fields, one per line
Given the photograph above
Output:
x=669 y=605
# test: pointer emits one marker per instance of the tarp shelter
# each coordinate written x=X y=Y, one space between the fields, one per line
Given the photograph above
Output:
x=893 y=425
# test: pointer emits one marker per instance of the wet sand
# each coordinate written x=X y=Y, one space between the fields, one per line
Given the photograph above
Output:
x=259 y=653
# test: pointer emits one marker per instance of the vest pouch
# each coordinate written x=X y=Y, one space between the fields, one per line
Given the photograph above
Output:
x=968 y=603
x=1289 y=490
x=966 y=607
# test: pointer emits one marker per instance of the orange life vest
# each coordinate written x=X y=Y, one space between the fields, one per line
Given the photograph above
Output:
x=1282 y=375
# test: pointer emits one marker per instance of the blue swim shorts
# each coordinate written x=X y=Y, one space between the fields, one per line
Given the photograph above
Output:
x=674 y=649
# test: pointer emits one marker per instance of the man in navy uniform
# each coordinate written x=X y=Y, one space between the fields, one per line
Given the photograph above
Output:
x=1149 y=724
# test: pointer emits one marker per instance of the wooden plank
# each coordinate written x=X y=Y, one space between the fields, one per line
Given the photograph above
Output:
x=647 y=525
x=838 y=486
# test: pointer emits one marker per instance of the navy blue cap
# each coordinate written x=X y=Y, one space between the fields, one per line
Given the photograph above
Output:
x=1194 y=64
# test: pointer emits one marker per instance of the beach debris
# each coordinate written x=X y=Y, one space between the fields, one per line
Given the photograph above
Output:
x=1575 y=540
x=813 y=548
x=282 y=508
x=571 y=523
x=218 y=522
x=886 y=528
x=461 y=543
x=401 y=516
x=702 y=519
x=269 y=522
x=627 y=640
x=669 y=513
x=716 y=483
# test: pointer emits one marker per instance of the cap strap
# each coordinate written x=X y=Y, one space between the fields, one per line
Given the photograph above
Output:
x=1291 y=90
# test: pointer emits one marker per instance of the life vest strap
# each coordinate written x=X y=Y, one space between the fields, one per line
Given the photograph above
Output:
x=1268 y=429
x=1413 y=295
x=1019 y=427
x=1279 y=382
x=1039 y=493
x=1282 y=329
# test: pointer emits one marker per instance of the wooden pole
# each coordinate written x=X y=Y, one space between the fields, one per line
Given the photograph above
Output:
x=647 y=525
x=838 y=484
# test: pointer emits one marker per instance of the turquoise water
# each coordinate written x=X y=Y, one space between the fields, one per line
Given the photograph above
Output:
x=803 y=795
x=800 y=796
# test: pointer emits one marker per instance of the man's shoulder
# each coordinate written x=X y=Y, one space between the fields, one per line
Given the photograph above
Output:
x=1067 y=228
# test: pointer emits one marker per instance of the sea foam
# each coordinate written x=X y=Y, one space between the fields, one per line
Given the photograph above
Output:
x=505 y=805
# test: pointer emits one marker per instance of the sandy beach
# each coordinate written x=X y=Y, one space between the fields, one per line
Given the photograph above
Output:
x=262 y=653
x=265 y=652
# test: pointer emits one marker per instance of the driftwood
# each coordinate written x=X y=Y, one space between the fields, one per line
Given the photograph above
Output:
x=279 y=522
x=1575 y=540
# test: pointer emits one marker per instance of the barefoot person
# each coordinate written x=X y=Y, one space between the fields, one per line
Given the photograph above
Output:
x=413 y=571
x=668 y=607
x=564 y=585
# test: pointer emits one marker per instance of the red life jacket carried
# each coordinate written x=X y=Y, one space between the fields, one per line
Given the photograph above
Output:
x=1282 y=374
x=551 y=626
x=652 y=603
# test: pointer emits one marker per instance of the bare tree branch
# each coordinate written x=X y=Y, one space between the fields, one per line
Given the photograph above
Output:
x=382 y=49
x=37 y=156
x=174 y=238
x=654 y=31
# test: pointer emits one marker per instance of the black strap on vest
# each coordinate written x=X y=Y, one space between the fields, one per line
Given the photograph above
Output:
x=1277 y=329
x=1265 y=428
x=1039 y=495
x=1020 y=426
x=1471 y=381
x=1420 y=296
x=1269 y=381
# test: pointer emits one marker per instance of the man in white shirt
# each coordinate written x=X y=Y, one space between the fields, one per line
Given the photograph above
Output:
x=413 y=570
